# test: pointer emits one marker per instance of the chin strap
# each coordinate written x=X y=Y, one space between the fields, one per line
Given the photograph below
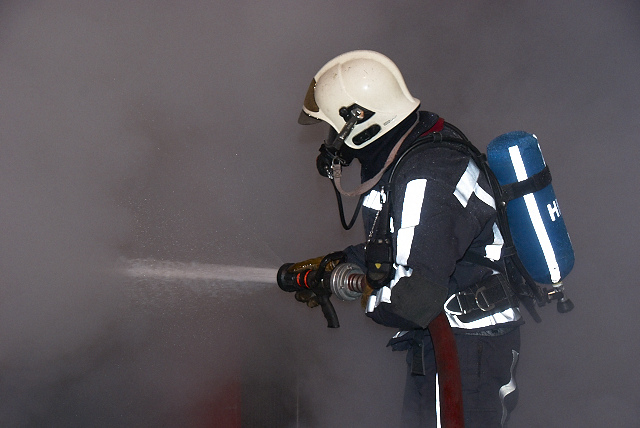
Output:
x=368 y=185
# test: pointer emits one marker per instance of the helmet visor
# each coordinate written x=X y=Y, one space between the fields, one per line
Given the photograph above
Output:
x=309 y=106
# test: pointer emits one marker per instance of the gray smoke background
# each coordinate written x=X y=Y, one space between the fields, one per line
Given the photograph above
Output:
x=167 y=130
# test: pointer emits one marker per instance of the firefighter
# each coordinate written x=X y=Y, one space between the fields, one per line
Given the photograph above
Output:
x=445 y=241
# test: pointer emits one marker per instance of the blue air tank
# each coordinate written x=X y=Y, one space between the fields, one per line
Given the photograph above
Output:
x=536 y=223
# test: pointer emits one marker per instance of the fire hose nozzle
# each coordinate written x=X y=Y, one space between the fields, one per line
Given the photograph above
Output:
x=313 y=276
x=322 y=278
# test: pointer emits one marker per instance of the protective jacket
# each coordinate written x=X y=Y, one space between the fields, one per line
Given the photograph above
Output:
x=443 y=212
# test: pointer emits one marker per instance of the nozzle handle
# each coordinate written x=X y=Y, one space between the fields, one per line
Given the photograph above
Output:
x=328 y=311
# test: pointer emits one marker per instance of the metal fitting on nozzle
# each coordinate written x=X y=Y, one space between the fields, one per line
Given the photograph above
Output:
x=347 y=281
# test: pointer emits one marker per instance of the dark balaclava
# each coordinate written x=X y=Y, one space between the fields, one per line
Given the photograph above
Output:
x=373 y=156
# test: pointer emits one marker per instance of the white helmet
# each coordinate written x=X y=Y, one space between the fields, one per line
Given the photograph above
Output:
x=364 y=79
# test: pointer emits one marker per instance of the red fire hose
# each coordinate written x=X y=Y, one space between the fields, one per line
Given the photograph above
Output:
x=450 y=383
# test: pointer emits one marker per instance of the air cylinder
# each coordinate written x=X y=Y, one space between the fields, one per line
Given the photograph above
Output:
x=535 y=220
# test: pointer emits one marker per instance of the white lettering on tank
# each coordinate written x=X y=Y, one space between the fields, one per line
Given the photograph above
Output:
x=554 y=210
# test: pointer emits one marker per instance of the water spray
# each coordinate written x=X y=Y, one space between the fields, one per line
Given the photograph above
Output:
x=154 y=269
x=217 y=277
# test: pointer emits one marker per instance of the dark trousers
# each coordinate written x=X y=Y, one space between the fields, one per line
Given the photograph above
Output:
x=487 y=366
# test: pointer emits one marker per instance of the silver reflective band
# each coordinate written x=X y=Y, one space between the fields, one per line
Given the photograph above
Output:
x=382 y=295
x=468 y=185
x=508 y=315
x=404 y=241
x=412 y=204
x=536 y=218
x=509 y=387
x=410 y=217
x=373 y=201
x=438 y=422
x=494 y=250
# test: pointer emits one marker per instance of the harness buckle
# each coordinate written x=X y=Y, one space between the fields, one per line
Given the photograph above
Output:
x=485 y=306
x=463 y=303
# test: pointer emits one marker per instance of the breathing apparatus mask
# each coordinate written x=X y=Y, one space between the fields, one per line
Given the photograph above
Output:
x=333 y=151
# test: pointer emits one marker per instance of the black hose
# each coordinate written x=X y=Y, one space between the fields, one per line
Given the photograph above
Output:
x=341 y=209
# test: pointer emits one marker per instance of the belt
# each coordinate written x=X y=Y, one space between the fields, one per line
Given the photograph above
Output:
x=489 y=296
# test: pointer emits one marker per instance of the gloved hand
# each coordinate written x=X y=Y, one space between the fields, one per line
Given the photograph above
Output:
x=366 y=293
x=308 y=297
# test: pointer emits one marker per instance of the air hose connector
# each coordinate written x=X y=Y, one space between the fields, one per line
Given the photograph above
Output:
x=347 y=281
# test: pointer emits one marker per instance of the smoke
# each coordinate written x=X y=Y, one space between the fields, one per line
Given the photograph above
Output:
x=165 y=132
x=59 y=152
